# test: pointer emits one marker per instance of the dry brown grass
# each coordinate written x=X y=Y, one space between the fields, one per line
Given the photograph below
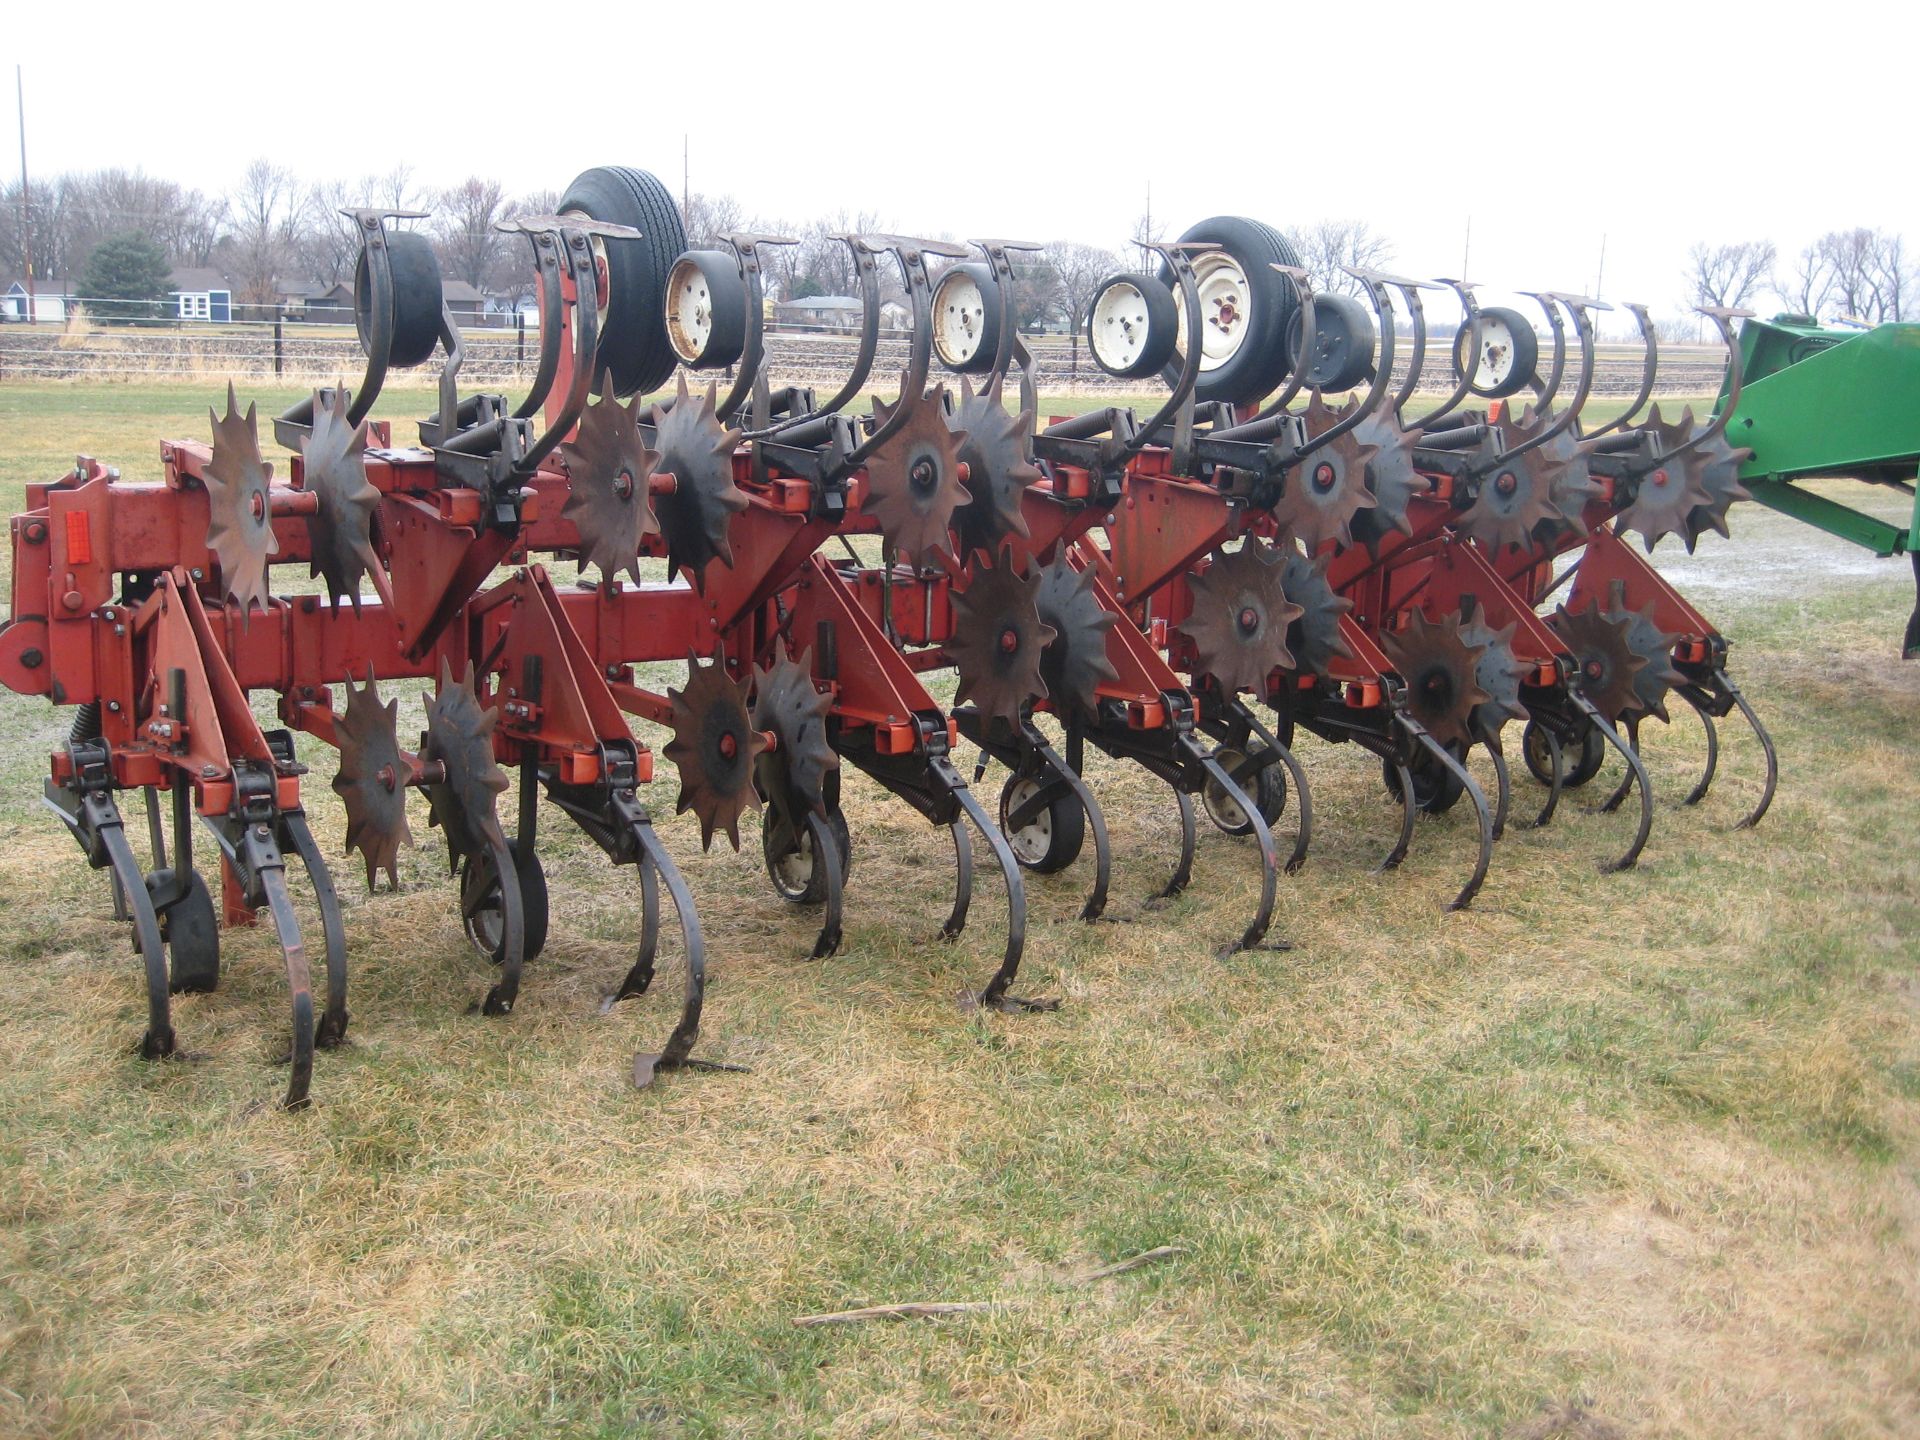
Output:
x=1620 y=1156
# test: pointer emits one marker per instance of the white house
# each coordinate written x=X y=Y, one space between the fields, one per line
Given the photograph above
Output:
x=49 y=301
x=200 y=293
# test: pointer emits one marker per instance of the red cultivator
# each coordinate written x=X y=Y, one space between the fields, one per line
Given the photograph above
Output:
x=1368 y=575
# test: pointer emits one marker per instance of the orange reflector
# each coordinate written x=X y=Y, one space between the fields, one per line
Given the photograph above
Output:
x=79 y=538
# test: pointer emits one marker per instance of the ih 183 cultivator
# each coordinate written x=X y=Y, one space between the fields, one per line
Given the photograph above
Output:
x=1362 y=572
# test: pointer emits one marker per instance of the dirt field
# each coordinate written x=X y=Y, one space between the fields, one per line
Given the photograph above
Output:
x=1605 y=1156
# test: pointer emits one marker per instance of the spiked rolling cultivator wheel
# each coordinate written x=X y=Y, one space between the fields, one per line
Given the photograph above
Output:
x=1285 y=547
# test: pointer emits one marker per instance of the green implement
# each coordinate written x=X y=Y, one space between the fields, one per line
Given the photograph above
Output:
x=1819 y=401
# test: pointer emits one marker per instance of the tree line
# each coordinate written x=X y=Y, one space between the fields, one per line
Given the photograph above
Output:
x=1856 y=274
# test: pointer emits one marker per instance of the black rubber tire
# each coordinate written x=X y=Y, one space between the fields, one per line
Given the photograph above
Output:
x=533 y=900
x=1526 y=352
x=1161 y=320
x=192 y=932
x=1066 y=830
x=1261 y=363
x=815 y=891
x=633 y=338
x=981 y=361
x=1344 y=338
x=1270 y=794
x=417 y=298
x=1436 y=789
x=719 y=273
x=1577 y=771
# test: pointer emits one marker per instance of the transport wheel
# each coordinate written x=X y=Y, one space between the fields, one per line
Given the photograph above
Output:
x=792 y=869
x=706 y=309
x=1245 y=308
x=1269 y=793
x=1436 y=789
x=416 y=297
x=1133 y=326
x=480 y=905
x=966 y=318
x=1579 y=769
x=1509 y=353
x=192 y=932
x=634 y=345
x=1341 y=355
x=1051 y=840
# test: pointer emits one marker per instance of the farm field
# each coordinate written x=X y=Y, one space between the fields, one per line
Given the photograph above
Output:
x=1604 y=1156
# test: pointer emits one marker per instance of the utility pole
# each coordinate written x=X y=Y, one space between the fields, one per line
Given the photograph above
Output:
x=1601 y=276
x=26 y=208
x=1466 y=253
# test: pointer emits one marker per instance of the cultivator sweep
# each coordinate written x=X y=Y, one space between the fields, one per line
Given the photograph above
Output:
x=1186 y=593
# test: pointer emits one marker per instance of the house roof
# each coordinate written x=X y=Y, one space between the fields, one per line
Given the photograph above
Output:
x=461 y=291
x=825 y=302
x=195 y=278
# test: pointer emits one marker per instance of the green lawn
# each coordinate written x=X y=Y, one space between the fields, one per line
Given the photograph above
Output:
x=1605 y=1155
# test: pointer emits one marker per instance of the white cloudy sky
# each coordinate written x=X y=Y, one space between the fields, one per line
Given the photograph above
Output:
x=1550 y=126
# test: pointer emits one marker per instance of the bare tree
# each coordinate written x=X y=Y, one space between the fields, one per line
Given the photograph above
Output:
x=708 y=217
x=463 y=225
x=1328 y=247
x=328 y=244
x=1081 y=268
x=1729 y=275
x=1896 y=280
x=46 y=232
x=396 y=190
x=1148 y=229
x=264 y=209
x=1806 y=286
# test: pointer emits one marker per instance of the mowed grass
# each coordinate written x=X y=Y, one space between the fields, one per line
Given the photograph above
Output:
x=1605 y=1155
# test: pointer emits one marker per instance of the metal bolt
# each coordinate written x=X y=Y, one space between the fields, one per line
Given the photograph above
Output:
x=31 y=658
x=197 y=573
x=113 y=706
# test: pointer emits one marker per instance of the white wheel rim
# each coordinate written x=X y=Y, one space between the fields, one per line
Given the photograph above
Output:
x=1225 y=309
x=1032 y=840
x=1223 y=807
x=794 y=870
x=1493 y=366
x=689 y=312
x=1117 y=331
x=959 y=319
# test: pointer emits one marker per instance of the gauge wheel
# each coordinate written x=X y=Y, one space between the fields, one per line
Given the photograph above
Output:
x=482 y=915
x=707 y=309
x=1509 y=353
x=1133 y=326
x=1051 y=840
x=1245 y=308
x=1436 y=788
x=1269 y=793
x=192 y=932
x=794 y=876
x=1534 y=750
x=634 y=346
x=1343 y=342
x=416 y=298
x=966 y=318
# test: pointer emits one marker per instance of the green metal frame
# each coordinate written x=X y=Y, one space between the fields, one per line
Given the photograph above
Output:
x=1826 y=402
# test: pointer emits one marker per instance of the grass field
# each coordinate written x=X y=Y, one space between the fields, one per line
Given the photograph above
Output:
x=1605 y=1156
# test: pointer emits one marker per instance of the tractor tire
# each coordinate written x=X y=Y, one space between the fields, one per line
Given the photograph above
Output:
x=634 y=346
x=1133 y=326
x=1252 y=361
x=1517 y=372
x=1344 y=337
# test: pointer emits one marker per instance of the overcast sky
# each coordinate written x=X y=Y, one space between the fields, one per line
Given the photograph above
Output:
x=1653 y=125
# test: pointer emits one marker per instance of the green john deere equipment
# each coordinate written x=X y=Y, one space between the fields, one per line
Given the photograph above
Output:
x=1818 y=402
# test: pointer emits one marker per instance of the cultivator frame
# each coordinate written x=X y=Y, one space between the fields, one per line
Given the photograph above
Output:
x=1365 y=575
